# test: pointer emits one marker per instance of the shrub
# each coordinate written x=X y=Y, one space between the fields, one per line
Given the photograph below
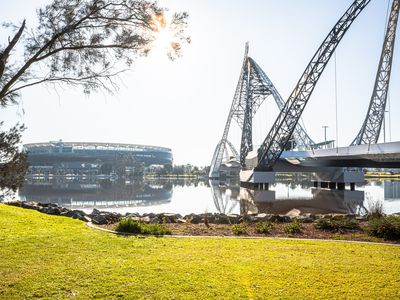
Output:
x=239 y=229
x=385 y=227
x=293 y=228
x=264 y=227
x=131 y=226
x=155 y=229
x=128 y=225
x=337 y=225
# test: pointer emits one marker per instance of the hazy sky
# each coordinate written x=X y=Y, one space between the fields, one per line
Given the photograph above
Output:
x=184 y=104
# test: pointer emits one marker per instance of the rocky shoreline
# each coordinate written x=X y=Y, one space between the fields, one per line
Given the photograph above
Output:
x=103 y=217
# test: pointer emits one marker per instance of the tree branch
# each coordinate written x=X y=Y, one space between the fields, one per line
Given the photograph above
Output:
x=6 y=53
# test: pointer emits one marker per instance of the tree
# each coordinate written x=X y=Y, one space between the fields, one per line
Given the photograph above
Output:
x=12 y=161
x=84 y=43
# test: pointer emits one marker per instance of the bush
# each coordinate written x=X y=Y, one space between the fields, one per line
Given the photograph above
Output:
x=293 y=228
x=337 y=225
x=264 y=227
x=239 y=229
x=131 y=226
x=385 y=227
x=128 y=225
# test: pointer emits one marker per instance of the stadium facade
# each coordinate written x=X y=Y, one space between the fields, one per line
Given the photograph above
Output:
x=92 y=158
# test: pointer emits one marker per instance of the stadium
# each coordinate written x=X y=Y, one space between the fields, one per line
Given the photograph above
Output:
x=93 y=158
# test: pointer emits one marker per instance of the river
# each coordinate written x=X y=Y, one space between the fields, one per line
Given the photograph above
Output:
x=185 y=196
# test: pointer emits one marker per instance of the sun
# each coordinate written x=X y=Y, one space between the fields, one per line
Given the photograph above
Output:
x=165 y=36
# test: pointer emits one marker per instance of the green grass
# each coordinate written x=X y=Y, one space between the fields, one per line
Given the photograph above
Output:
x=55 y=257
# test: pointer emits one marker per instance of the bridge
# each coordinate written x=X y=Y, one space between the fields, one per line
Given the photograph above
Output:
x=287 y=147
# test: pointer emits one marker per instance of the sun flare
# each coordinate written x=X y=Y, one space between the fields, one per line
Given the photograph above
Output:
x=166 y=39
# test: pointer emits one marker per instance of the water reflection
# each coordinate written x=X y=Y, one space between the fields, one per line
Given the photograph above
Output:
x=94 y=193
x=320 y=201
x=392 y=190
x=187 y=196
x=225 y=195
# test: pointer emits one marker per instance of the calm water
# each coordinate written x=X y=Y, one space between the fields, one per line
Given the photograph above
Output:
x=193 y=196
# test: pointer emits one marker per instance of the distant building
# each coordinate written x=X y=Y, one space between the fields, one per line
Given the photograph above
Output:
x=93 y=158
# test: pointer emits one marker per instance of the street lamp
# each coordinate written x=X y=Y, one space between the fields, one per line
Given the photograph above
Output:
x=384 y=126
x=325 y=127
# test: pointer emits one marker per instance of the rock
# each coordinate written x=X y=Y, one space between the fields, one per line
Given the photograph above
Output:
x=181 y=221
x=170 y=218
x=85 y=219
x=75 y=214
x=311 y=216
x=155 y=220
x=293 y=213
x=53 y=211
x=99 y=219
x=145 y=219
x=193 y=218
x=14 y=203
x=96 y=212
x=262 y=217
x=30 y=205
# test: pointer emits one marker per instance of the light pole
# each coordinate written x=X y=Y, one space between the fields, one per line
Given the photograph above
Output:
x=384 y=126
x=325 y=127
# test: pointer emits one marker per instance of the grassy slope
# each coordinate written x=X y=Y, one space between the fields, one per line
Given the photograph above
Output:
x=56 y=257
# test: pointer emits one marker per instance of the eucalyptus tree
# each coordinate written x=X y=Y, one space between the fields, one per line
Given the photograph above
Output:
x=79 y=43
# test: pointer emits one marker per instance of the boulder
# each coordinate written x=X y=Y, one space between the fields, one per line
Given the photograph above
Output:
x=53 y=211
x=14 y=203
x=146 y=219
x=293 y=213
x=30 y=205
x=99 y=219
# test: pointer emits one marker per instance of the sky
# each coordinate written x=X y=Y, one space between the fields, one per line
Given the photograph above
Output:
x=184 y=104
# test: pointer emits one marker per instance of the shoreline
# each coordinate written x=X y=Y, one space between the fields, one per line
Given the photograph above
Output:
x=221 y=225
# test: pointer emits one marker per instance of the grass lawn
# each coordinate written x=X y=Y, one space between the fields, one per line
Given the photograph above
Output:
x=44 y=256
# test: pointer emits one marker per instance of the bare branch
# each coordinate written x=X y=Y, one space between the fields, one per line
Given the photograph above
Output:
x=6 y=53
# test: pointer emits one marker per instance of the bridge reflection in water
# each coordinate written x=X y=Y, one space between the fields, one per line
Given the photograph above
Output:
x=322 y=201
x=297 y=192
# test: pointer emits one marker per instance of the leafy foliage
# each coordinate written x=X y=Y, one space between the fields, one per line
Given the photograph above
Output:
x=264 y=227
x=293 y=228
x=85 y=43
x=386 y=227
x=129 y=225
x=239 y=229
x=341 y=225
x=13 y=162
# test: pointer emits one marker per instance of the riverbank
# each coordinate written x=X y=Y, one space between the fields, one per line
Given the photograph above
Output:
x=306 y=226
x=47 y=256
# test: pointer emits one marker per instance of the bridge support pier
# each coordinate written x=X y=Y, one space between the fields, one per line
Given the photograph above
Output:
x=256 y=180
x=338 y=179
